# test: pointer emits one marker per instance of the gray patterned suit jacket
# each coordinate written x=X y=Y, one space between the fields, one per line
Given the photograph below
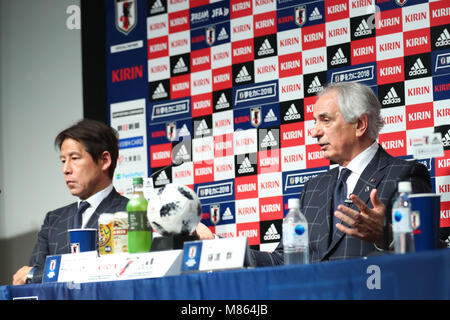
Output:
x=383 y=173
x=53 y=238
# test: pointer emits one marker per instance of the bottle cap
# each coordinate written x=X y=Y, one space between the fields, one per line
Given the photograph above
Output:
x=404 y=186
x=293 y=203
x=137 y=181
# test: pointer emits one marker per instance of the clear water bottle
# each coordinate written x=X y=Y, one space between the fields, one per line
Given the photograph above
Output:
x=401 y=220
x=295 y=235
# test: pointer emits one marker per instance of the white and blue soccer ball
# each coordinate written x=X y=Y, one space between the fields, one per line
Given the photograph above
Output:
x=174 y=209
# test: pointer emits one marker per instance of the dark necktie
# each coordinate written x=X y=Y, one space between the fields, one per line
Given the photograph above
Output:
x=340 y=194
x=78 y=219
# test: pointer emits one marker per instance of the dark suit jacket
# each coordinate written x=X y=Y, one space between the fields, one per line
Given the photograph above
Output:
x=53 y=238
x=382 y=173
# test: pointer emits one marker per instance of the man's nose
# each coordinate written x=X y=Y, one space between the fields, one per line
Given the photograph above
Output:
x=316 y=132
x=67 y=168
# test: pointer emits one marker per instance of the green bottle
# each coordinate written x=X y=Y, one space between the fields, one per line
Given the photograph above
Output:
x=139 y=231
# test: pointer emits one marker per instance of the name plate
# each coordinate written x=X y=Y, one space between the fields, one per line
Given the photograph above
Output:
x=123 y=266
x=67 y=267
x=427 y=146
x=217 y=254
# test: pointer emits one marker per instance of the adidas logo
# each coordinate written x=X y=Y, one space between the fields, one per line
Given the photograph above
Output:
x=202 y=129
x=292 y=114
x=222 y=103
x=272 y=233
x=338 y=58
x=446 y=139
x=180 y=67
x=391 y=97
x=269 y=140
x=160 y=92
x=444 y=39
x=157 y=7
x=183 y=154
x=184 y=131
x=246 y=167
x=162 y=179
x=418 y=68
x=265 y=48
x=223 y=35
x=270 y=116
x=227 y=215
x=363 y=29
x=315 y=15
x=315 y=86
x=243 y=75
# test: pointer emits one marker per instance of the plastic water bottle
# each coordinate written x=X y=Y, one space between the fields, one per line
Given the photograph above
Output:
x=401 y=220
x=295 y=235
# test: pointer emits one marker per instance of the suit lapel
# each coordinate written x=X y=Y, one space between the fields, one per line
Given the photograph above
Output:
x=372 y=175
x=324 y=212
x=63 y=237
x=337 y=236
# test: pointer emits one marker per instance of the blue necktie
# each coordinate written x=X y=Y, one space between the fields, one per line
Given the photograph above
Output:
x=78 y=218
x=340 y=194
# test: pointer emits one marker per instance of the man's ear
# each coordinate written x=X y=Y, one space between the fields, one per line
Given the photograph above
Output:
x=106 y=161
x=361 y=125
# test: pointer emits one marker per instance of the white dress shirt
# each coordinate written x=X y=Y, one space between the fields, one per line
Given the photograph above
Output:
x=357 y=166
x=94 y=201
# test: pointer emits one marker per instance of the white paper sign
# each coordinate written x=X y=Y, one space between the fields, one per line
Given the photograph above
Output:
x=73 y=265
x=88 y=267
x=126 y=266
x=428 y=146
x=67 y=267
x=217 y=254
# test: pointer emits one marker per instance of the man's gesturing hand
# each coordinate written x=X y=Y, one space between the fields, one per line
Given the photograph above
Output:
x=366 y=224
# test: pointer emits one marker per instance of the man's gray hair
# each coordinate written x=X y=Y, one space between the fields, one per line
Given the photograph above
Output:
x=354 y=100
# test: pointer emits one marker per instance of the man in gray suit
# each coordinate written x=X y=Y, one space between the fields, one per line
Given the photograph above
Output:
x=89 y=152
x=347 y=122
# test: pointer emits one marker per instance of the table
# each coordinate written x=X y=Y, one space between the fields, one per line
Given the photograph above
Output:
x=424 y=275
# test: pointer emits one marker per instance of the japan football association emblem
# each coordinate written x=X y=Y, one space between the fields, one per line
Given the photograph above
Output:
x=52 y=268
x=214 y=211
x=171 y=131
x=126 y=15
x=75 y=247
x=210 y=35
x=300 y=15
x=401 y=2
x=192 y=252
x=255 y=116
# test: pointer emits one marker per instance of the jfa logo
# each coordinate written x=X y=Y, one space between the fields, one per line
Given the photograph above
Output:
x=75 y=247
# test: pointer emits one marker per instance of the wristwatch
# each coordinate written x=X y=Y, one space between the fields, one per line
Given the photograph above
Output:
x=30 y=275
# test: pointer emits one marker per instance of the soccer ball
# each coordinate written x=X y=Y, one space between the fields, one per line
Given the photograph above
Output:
x=174 y=209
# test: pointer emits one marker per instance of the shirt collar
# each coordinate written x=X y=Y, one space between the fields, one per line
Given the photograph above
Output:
x=360 y=162
x=97 y=198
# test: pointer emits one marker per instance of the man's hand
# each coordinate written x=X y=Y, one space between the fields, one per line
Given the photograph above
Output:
x=202 y=232
x=366 y=224
x=20 y=276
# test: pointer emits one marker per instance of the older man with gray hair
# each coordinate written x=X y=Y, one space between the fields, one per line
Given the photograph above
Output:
x=346 y=206
x=347 y=121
